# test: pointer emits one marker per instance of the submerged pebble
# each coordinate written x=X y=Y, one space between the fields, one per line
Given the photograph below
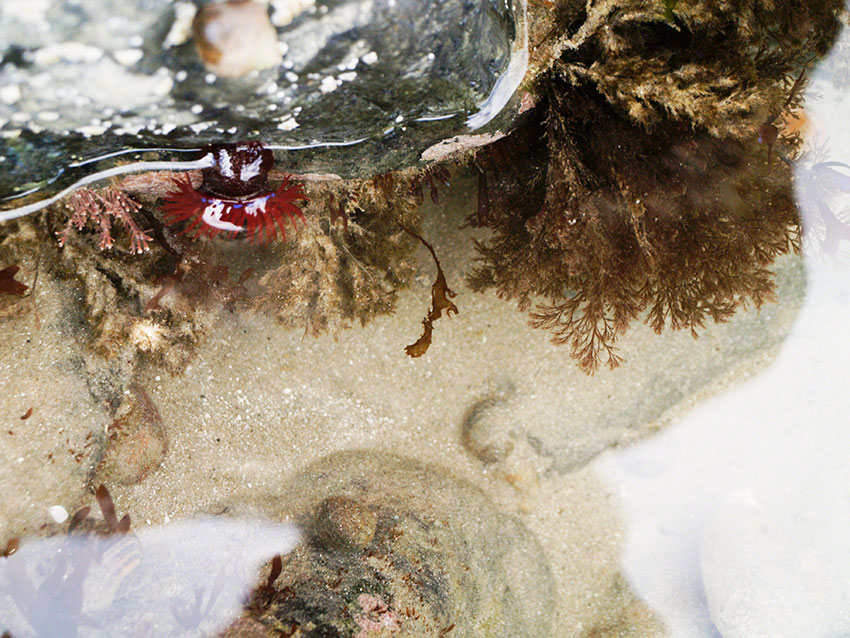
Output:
x=343 y=523
x=58 y=513
x=136 y=442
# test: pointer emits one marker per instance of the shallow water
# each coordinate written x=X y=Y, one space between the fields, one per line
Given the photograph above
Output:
x=736 y=514
x=280 y=484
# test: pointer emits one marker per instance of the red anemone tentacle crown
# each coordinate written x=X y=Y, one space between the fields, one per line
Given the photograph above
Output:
x=234 y=197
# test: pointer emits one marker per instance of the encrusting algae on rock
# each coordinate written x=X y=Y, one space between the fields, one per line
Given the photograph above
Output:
x=345 y=264
x=399 y=548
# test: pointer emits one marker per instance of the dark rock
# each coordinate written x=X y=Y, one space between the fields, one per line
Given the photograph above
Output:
x=363 y=87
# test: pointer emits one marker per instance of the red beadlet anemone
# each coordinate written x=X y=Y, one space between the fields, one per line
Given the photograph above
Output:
x=234 y=196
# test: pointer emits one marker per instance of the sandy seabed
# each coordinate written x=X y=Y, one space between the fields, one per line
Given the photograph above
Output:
x=492 y=401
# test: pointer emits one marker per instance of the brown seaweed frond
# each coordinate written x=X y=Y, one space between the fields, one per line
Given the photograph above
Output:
x=107 y=508
x=262 y=595
x=778 y=125
x=441 y=302
x=8 y=284
x=585 y=324
x=429 y=178
x=107 y=526
x=670 y=225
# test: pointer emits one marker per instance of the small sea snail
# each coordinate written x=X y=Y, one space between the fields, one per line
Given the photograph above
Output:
x=236 y=37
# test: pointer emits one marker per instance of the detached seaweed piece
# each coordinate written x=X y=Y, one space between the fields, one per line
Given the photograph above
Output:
x=440 y=301
x=8 y=284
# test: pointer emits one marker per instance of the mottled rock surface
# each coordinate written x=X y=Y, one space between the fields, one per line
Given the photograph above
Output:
x=436 y=557
x=362 y=86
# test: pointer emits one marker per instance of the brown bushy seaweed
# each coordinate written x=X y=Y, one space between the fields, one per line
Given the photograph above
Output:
x=330 y=274
x=655 y=198
x=715 y=64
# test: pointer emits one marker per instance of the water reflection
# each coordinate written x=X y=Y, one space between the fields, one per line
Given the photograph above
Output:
x=187 y=578
x=738 y=514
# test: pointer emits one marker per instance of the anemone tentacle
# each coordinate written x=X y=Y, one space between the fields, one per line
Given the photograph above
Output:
x=260 y=217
